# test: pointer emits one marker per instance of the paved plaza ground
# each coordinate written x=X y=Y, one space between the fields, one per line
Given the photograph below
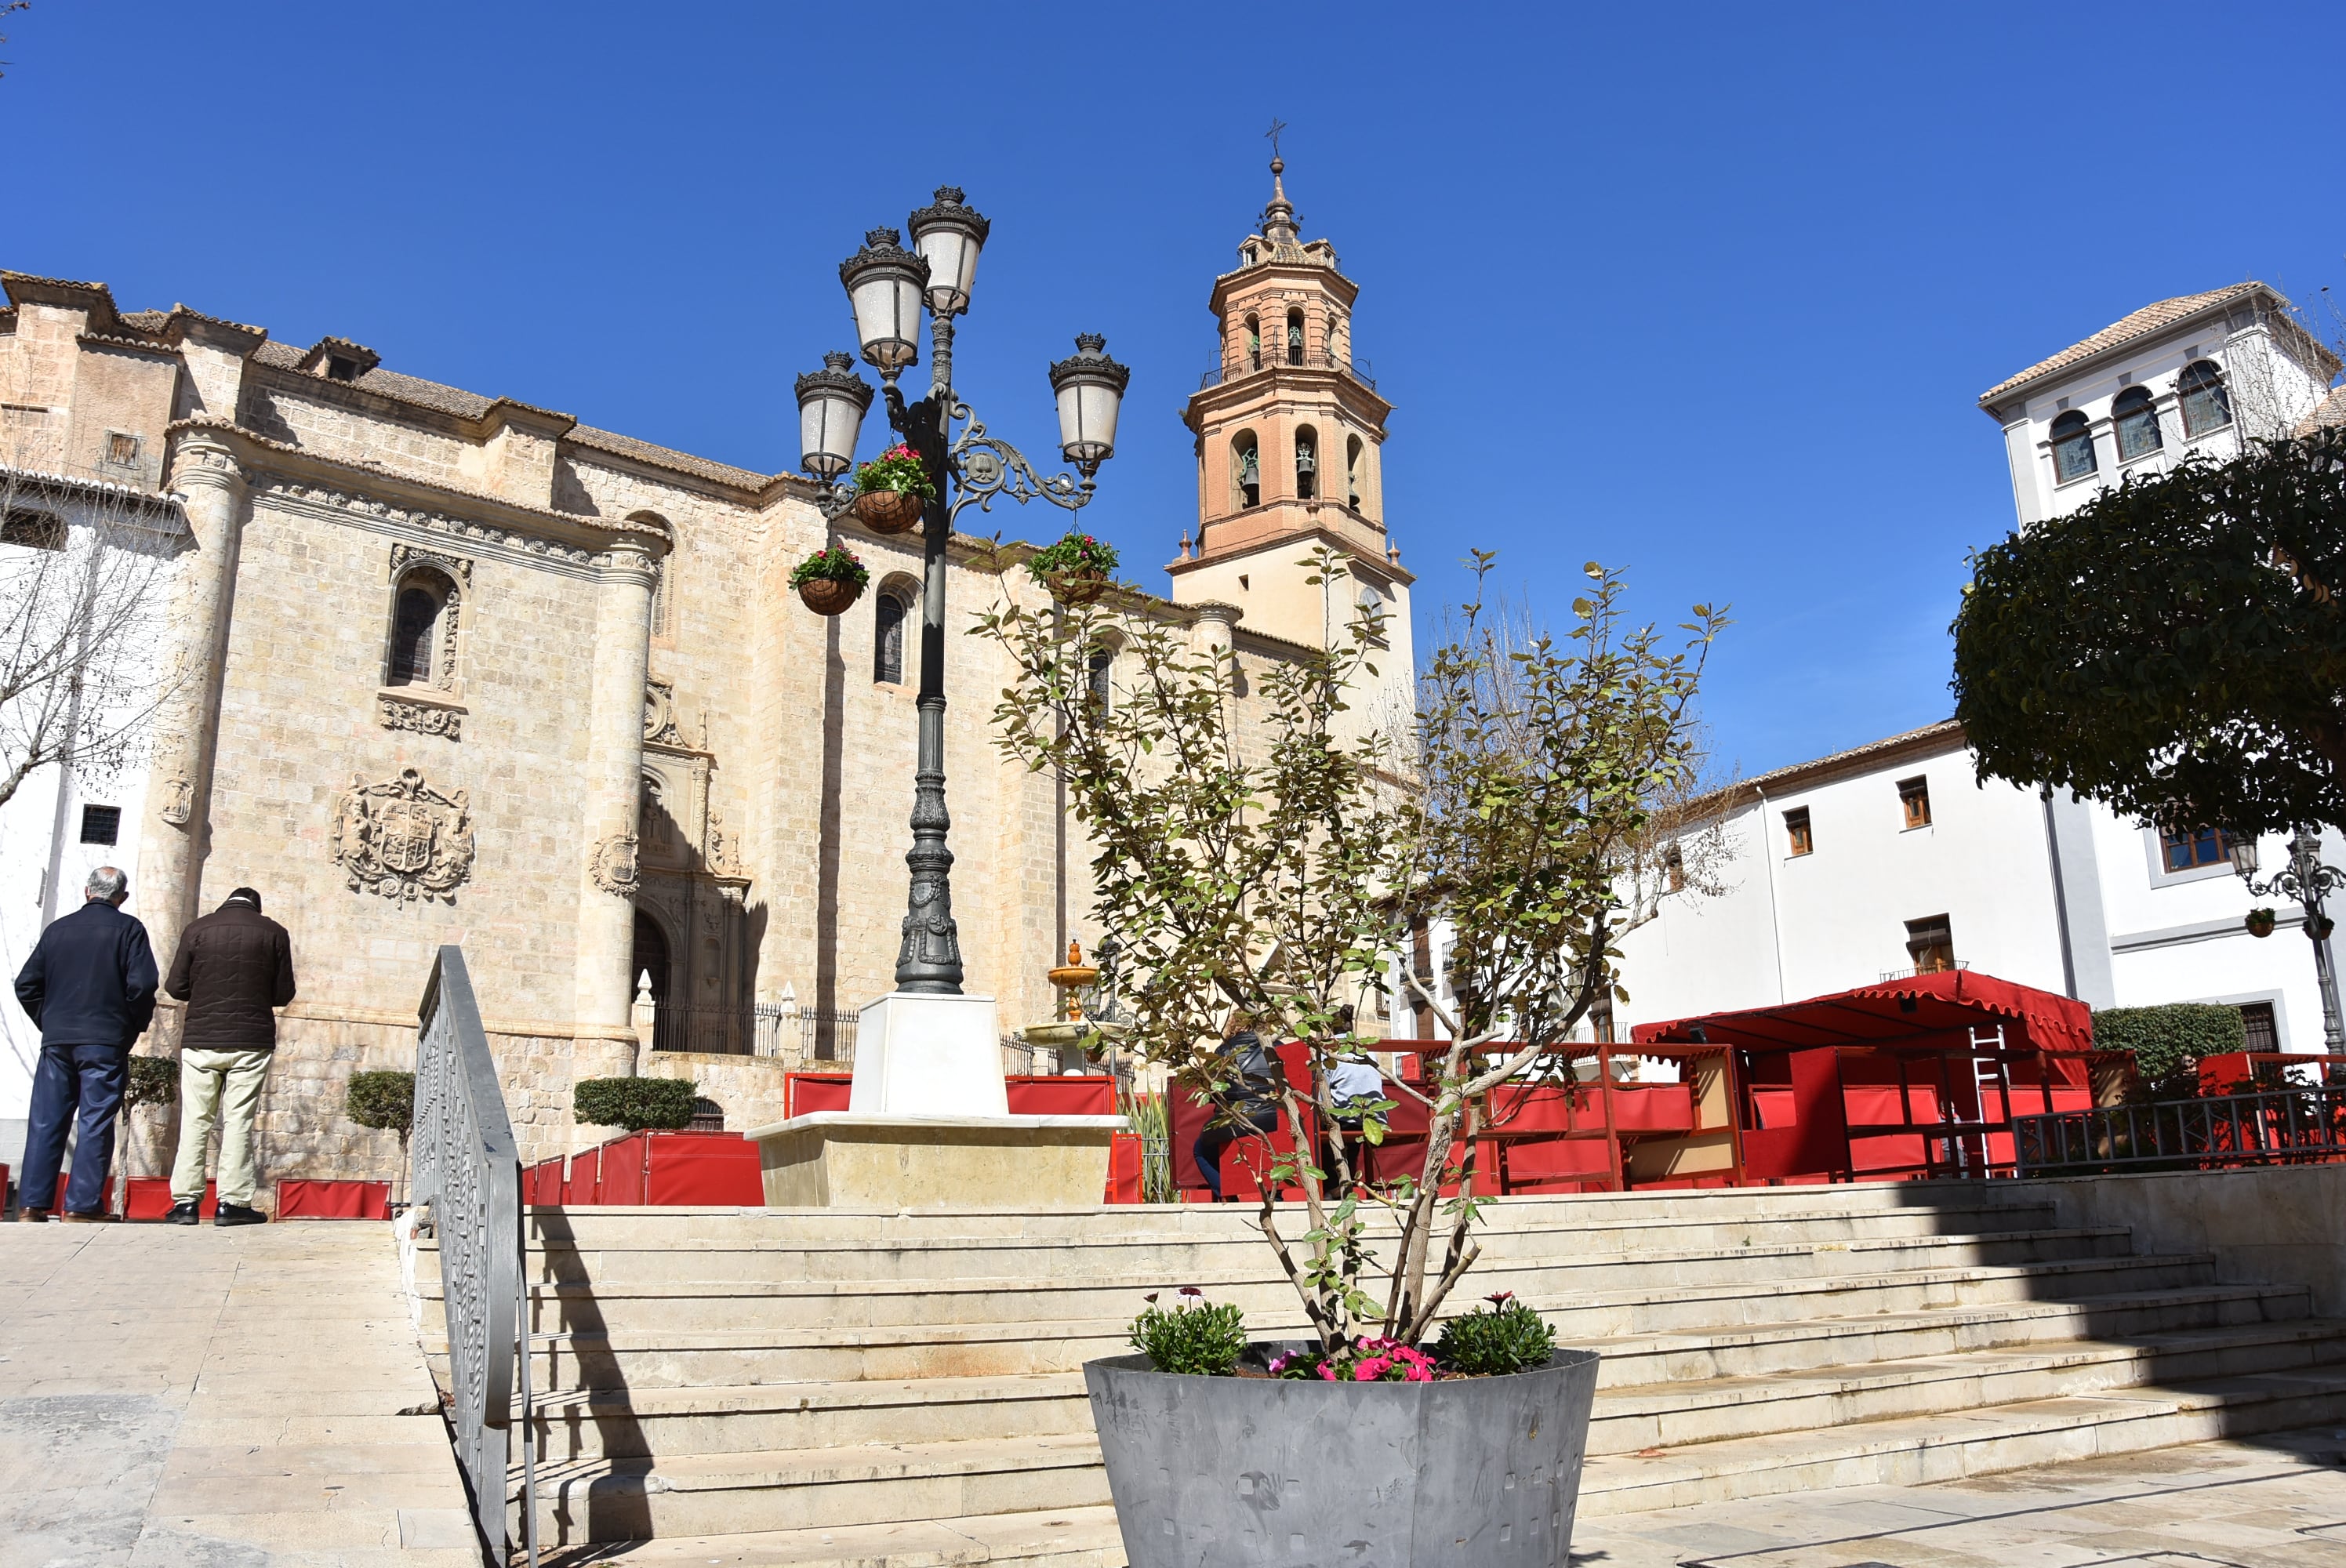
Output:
x=254 y=1399
x=196 y=1398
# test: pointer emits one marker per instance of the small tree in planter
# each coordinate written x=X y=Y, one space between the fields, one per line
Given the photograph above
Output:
x=384 y=1100
x=830 y=580
x=636 y=1104
x=1274 y=874
x=149 y=1081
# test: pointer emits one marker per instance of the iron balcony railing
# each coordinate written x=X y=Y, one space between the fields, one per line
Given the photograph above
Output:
x=1269 y=358
x=465 y=1175
x=2279 y=1126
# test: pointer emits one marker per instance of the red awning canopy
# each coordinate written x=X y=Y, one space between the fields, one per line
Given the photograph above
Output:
x=1896 y=1012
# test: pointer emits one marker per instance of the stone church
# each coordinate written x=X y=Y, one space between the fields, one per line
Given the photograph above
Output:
x=466 y=670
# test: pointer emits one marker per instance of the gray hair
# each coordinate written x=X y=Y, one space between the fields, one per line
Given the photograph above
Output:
x=109 y=884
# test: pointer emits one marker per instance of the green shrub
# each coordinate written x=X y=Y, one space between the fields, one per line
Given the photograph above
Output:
x=635 y=1104
x=1502 y=1337
x=154 y=1081
x=2168 y=1042
x=384 y=1100
x=1194 y=1337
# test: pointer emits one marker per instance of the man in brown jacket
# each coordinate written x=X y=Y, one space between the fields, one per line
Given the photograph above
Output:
x=234 y=967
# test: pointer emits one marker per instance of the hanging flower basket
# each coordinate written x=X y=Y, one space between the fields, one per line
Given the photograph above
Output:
x=2322 y=928
x=1076 y=570
x=829 y=580
x=892 y=490
x=2259 y=923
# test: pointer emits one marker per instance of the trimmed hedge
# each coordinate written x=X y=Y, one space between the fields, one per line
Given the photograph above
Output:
x=636 y=1104
x=154 y=1081
x=2169 y=1040
x=383 y=1101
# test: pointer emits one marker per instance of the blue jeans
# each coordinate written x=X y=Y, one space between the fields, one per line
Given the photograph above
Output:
x=88 y=1077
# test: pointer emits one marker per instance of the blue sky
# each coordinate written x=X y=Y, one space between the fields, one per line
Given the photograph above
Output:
x=1706 y=292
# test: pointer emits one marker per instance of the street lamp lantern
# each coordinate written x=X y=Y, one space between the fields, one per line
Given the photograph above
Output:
x=2305 y=878
x=1090 y=388
x=884 y=283
x=949 y=234
x=2243 y=851
x=832 y=402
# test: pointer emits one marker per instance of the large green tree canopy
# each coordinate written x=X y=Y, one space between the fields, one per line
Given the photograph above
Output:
x=2175 y=646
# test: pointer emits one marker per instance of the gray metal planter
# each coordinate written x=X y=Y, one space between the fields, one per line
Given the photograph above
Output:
x=1219 y=1473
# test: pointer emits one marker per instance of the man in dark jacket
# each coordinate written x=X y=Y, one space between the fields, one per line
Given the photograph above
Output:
x=1245 y=1105
x=90 y=987
x=234 y=967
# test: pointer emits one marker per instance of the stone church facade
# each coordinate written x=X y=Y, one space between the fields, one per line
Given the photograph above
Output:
x=460 y=669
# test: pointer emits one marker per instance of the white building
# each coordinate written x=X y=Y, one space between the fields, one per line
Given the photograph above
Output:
x=56 y=539
x=1894 y=856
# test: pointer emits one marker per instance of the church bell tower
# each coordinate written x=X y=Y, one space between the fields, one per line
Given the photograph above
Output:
x=1290 y=433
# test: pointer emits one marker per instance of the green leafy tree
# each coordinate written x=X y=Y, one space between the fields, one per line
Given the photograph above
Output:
x=1266 y=863
x=2175 y=647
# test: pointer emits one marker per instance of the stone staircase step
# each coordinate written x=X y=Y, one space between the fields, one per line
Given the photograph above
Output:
x=1059 y=1538
x=1947 y=1446
x=1630 y=1415
x=801 y=1489
x=632 y=1499
x=679 y=1303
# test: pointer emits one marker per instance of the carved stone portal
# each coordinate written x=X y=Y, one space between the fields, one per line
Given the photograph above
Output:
x=403 y=838
x=613 y=866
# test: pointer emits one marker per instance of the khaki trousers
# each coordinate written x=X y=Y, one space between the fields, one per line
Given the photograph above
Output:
x=223 y=1086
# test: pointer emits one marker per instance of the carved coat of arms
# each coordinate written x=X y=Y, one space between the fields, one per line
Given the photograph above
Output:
x=403 y=838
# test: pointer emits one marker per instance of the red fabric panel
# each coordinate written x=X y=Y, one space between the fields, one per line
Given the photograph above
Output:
x=623 y=1169
x=1124 y=1158
x=1817 y=1140
x=334 y=1200
x=703 y=1168
x=1774 y=1107
x=150 y=1199
x=804 y=1094
x=1653 y=1108
x=1551 y=1158
x=1954 y=999
x=1086 y=1094
x=1885 y=1152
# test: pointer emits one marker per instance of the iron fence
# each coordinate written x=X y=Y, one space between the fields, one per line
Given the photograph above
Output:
x=1270 y=358
x=2279 y=1126
x=465 y=1175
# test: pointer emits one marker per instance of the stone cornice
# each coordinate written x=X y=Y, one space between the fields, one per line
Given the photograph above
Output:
x=1283 y=383
x=396 y=498
x=1385 y=568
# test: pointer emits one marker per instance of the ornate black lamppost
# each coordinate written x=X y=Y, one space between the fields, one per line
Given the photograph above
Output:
x=889 y=287
x=2306 y=879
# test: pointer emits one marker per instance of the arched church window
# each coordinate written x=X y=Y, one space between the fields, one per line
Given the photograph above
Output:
x=1307 y=463
x=2137 y=424
x=422 y=614
x=2206 y=404
x=1294 y=337
x=1099 y=683
x=1353 y=452
x=2072 y=447
x=1246 y=471
x=1254 y=343
x=890 y=610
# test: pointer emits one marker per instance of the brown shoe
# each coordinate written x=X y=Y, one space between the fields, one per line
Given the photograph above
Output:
x=32 y=1216
x=72 y=1219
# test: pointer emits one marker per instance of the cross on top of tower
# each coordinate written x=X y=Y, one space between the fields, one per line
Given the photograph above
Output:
x=1278 y=218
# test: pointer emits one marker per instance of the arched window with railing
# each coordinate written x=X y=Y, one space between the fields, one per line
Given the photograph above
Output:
x=1254 y=343
x=1355 y=457
x=2137 y=418
x=1246 y=471
x=422 y=649
x=1307 y=463
x=2206 y=406
x=2072 y=447
x=1294 y=337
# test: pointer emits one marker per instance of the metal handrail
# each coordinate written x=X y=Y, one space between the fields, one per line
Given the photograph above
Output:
x=2306 y=1125
x=466 y=1174
x=1272 y=360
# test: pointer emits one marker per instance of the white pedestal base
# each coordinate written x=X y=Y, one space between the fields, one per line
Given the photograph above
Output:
x=928 y=1056
x=838 y=1159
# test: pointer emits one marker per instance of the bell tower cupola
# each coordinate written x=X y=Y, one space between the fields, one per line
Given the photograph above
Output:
x=1289 y=430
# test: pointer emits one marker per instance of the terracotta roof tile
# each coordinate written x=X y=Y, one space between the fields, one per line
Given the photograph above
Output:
x=2148 y=319
x=2329 y=412
x=666 y=457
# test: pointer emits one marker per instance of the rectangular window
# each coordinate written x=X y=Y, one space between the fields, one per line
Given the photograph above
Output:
x=2263 y=1029
x=1914 y=799
x=1931 y=942
x=101 y=824
x=121 y=449
x=1797 y=836
x=2187 y=848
